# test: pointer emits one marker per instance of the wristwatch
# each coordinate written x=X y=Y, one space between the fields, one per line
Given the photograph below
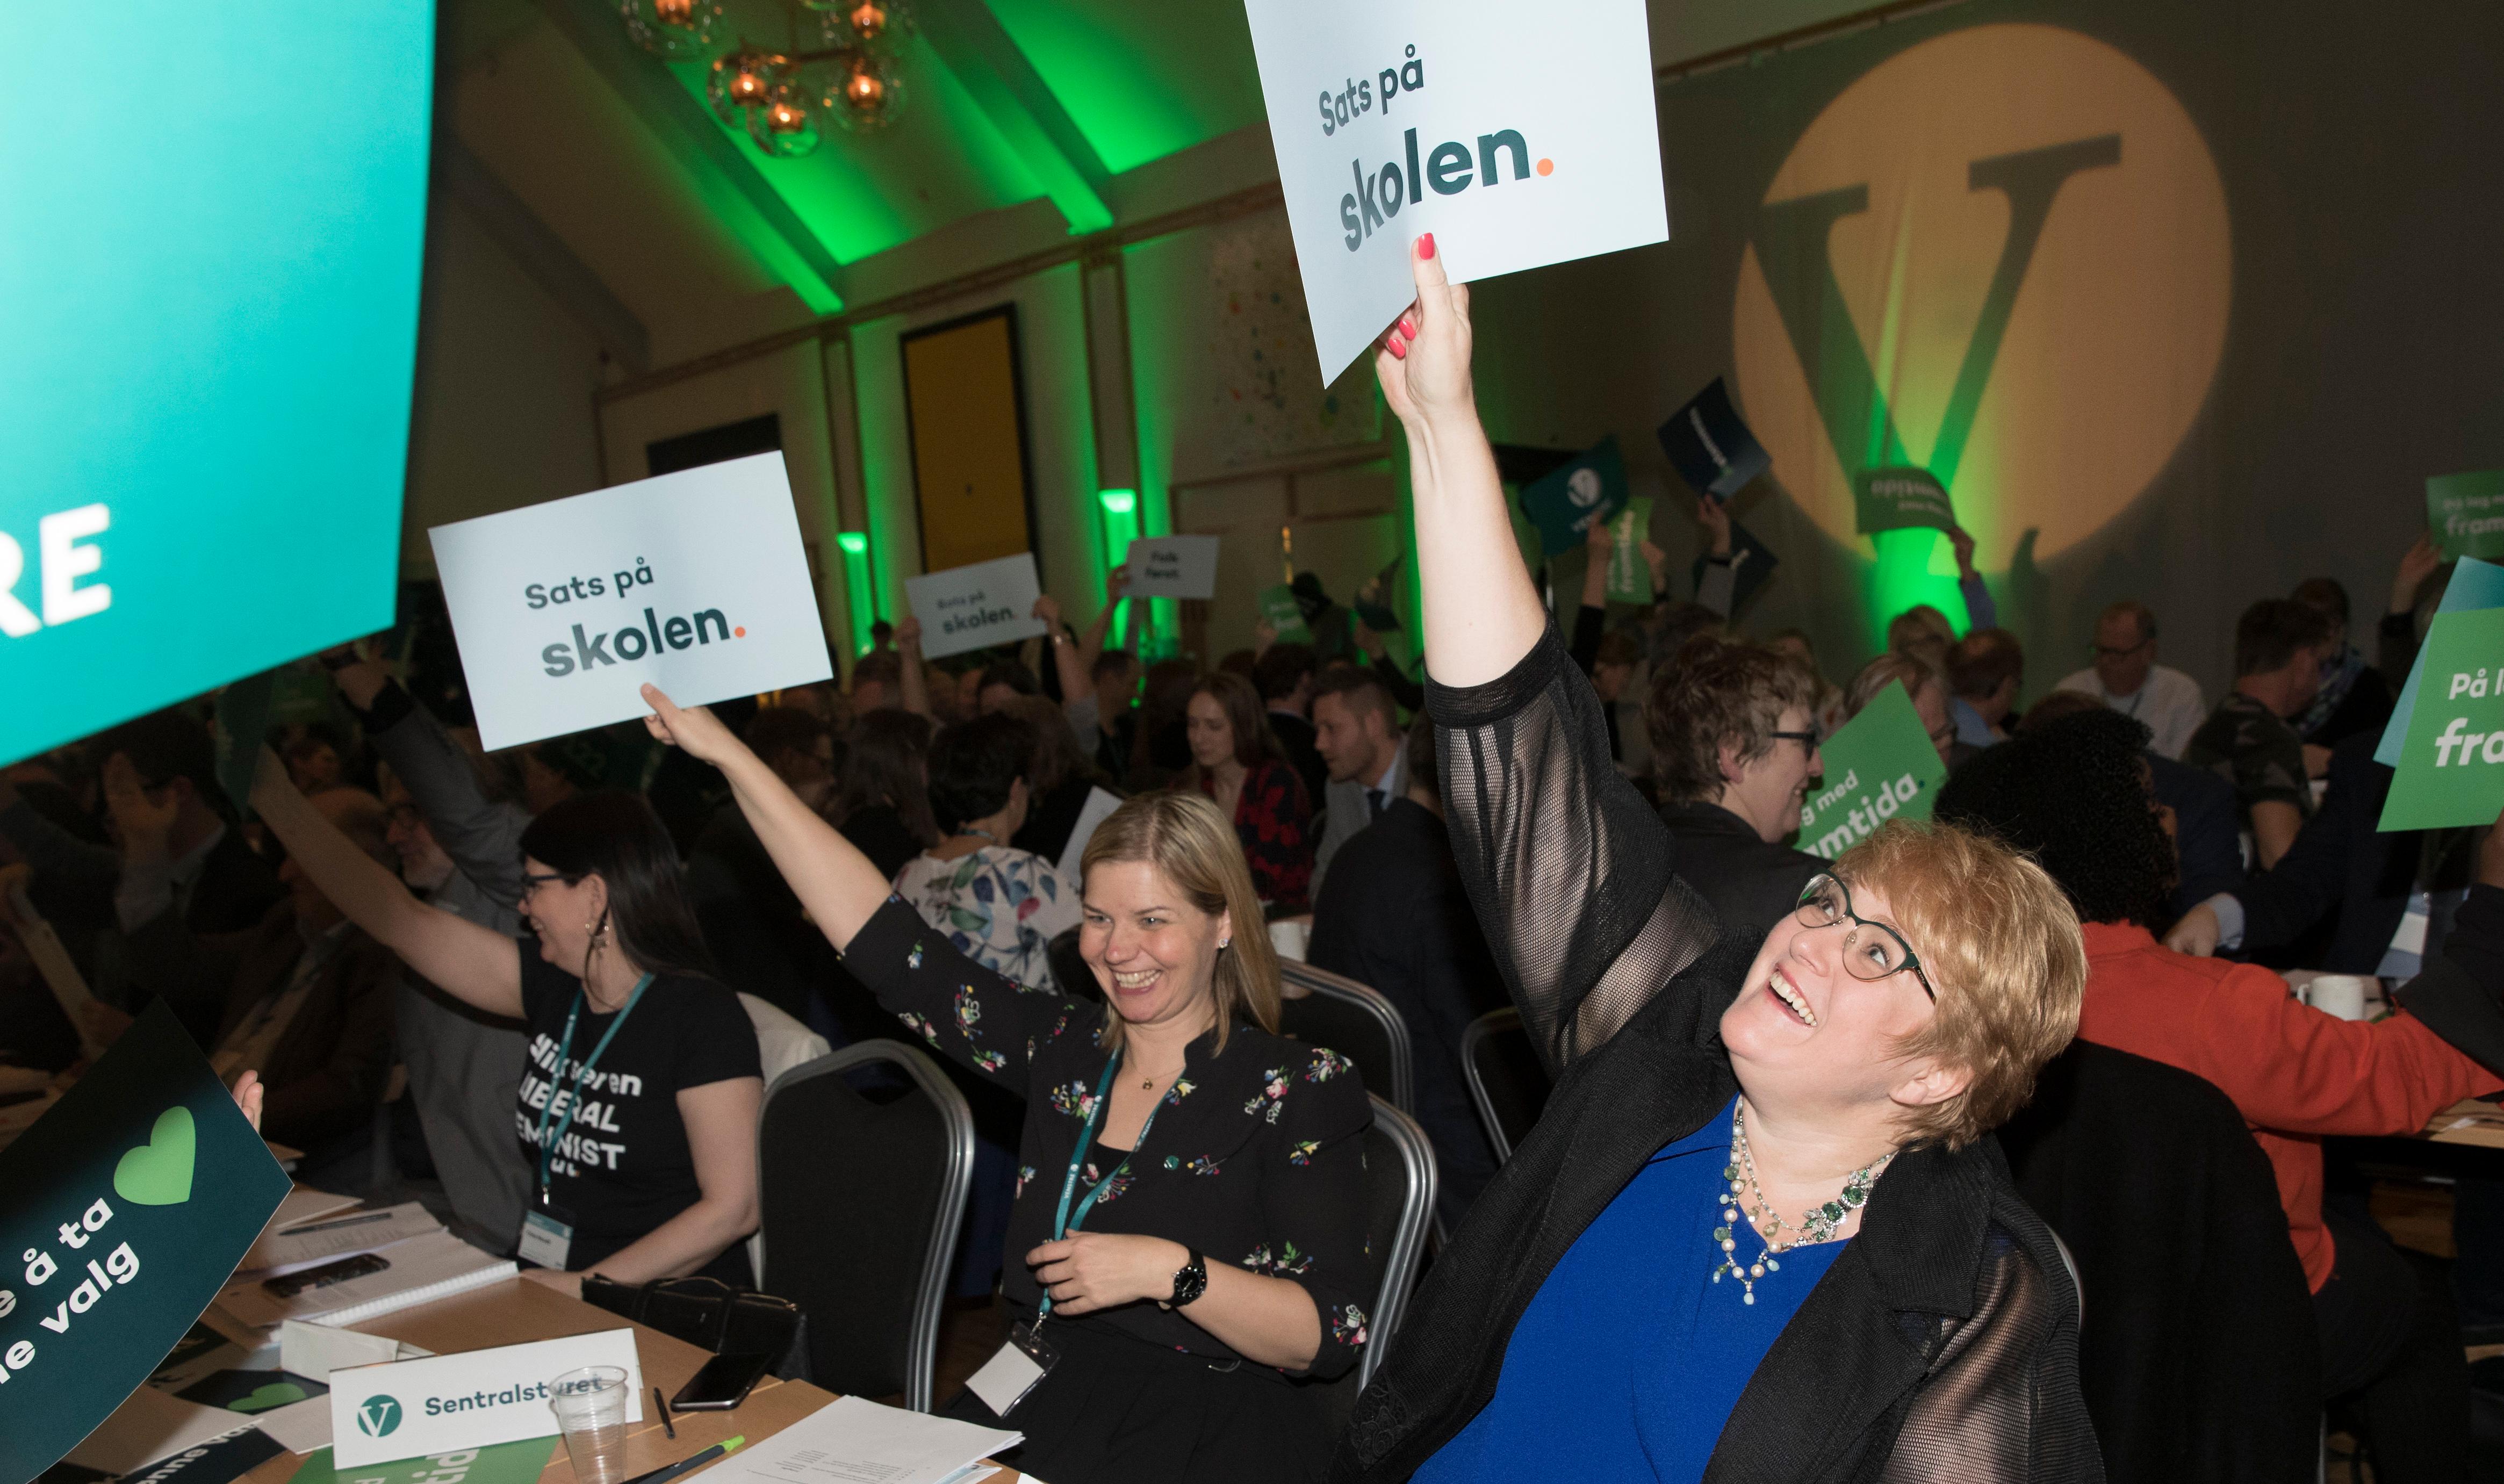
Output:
x=1190 y=1281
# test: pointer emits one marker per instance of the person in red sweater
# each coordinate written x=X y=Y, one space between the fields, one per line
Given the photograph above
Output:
x=2077 y=795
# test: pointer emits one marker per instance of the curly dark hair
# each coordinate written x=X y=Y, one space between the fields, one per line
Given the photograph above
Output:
x=2074 y=794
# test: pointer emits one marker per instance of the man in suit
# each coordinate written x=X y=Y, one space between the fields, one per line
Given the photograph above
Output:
x=1359 y=738
x=1284 y=674
x=1733 y=747
x=1396 y=918
x=303 y=997
x=216 y=880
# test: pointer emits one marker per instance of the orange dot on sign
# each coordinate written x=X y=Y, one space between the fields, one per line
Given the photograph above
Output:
x=739 y=634
x=1547 y=166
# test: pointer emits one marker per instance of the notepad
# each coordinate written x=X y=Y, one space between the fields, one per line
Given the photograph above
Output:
x=420 y=1271
x=305 y=1243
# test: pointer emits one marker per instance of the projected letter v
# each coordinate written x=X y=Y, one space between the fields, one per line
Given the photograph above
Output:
x=1790 y=243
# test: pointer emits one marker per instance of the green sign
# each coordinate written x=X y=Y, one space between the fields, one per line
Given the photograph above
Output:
x=1278 y=607
x=1900 y=496
x=1629 y=575
x=2452 y=764
x=1564 y=502
x=130 y=1201
x=2473 y=585
x=2466 y=513
x=212 y=335
x=518 y=1463
x=1879 y=766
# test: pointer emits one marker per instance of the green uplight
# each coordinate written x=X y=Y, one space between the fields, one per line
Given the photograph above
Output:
x=1121 y=528
x=859 y=598
x=1119 y=501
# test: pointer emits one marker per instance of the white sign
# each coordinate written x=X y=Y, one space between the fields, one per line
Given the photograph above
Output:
x=1518 y=137
x=977 y=607
x=449 y=1403
x=1172 y=567
x=695 y=581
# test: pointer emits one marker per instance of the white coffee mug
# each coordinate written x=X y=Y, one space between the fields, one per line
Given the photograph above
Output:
x=2339 y=994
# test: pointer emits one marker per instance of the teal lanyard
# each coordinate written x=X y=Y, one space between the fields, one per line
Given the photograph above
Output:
x=1066 y=1221
x=575 y=1102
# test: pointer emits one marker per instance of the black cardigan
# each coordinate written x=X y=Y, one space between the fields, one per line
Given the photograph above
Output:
x=1943 y=1342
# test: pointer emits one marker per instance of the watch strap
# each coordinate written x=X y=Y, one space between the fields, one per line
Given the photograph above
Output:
x=1191 y=1280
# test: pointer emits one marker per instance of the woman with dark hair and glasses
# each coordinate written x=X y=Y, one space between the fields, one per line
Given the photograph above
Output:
x=1733 y=747
x=637 y=1112
x=1756 y=1232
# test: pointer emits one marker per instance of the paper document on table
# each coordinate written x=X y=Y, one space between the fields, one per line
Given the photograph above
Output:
x=148 y=1427
x=317 y=1350
x=419 y=1270
x=313 y=1242
x=853 y=1441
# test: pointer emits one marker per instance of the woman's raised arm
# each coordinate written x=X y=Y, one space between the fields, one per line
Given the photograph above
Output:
x=478 y=964
x=1481 y=613
x=829 y=874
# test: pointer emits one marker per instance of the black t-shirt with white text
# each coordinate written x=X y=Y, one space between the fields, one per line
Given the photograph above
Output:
x=624 y=1166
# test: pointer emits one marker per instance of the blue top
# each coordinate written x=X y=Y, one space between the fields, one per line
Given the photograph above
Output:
x=1630 y=1357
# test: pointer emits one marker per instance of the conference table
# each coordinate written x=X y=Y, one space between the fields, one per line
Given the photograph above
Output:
x=515 y=1311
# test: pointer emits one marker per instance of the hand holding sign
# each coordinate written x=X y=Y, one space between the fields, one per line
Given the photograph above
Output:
x=1424 y=364
x=692 y=729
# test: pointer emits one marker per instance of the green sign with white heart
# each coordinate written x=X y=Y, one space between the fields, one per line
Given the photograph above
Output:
x=121 y=1211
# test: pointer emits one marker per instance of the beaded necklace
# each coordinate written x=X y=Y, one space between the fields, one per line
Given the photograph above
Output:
x=1819 y=1225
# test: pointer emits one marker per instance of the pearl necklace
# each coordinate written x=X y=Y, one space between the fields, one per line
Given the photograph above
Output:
x=1819 y=1225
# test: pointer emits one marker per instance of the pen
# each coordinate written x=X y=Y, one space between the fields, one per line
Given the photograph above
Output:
x=667 y=1472
x=668 y=1428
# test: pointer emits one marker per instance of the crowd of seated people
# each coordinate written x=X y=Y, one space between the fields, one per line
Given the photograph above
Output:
x=1765 y=1167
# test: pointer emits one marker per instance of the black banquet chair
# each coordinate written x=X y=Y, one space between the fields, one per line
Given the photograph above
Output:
x=1507 y=1081
x=1355 y=1020
x=1399 y=1207
x=861 y=1197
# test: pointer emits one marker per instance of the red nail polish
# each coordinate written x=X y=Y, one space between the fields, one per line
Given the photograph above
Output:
x=1426 y=246
x=1406 y=327
x=1399 y=350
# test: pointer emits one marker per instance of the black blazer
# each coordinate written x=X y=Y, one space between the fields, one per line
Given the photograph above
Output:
x=1751 y=884
x=1943 y=1340
x=2197 y=1353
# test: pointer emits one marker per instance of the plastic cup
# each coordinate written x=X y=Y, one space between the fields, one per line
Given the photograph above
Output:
x=2339 y=994
x=590 y=1406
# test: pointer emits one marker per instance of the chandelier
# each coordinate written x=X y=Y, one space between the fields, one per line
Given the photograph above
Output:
x=782 y=97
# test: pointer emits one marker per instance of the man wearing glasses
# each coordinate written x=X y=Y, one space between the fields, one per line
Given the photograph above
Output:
x=1733 y=747
x=2126 y=676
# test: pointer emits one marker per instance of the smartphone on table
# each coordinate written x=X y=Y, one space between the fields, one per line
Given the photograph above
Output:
x=721 y=1382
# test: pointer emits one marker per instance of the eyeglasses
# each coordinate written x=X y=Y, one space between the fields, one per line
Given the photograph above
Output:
x=532 y=882
x=1873 y=955
x=2108 y=652
x=1807 y=740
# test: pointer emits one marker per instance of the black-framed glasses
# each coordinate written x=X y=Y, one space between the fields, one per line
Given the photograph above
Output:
x=532 y=881
x=1871 y=950
x=1807 y=740
x=2108 y=652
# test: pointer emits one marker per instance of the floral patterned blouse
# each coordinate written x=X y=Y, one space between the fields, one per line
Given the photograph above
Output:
x=1273 y=818
x=1256 y=1158
x=999 y=906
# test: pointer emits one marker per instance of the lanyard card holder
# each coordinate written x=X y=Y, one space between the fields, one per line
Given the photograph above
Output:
x=1007 y=1377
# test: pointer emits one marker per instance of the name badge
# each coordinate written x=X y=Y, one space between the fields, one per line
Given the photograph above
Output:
x=1007 y=1377
x=547 y=1237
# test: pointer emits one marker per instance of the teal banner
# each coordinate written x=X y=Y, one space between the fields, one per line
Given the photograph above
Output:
x=211 y=322
x=121 y=1211
x=1899 y=497
x=1564 y=502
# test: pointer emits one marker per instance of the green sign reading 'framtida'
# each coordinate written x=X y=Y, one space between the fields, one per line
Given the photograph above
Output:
x=2466 y=513
x=2451 y=770
x=1879 y=766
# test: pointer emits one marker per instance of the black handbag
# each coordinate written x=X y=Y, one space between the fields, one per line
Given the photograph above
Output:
x=712 y=1315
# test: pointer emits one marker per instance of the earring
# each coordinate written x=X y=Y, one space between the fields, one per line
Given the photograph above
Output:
x=1225 y=943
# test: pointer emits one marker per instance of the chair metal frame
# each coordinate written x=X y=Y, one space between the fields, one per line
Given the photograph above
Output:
x=1485 y=1027
x=1324 y=985
x=921 y=1344
x=1407 y=1238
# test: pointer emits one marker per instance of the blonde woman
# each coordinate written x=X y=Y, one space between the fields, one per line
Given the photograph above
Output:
x=1757 y=1233
x=1191 y=1200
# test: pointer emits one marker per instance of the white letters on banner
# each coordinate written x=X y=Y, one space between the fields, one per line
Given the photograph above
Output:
x=1172 y=567
x=447 y=1402
x=694 y=581
x=973 y=608
x=1517 y=135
